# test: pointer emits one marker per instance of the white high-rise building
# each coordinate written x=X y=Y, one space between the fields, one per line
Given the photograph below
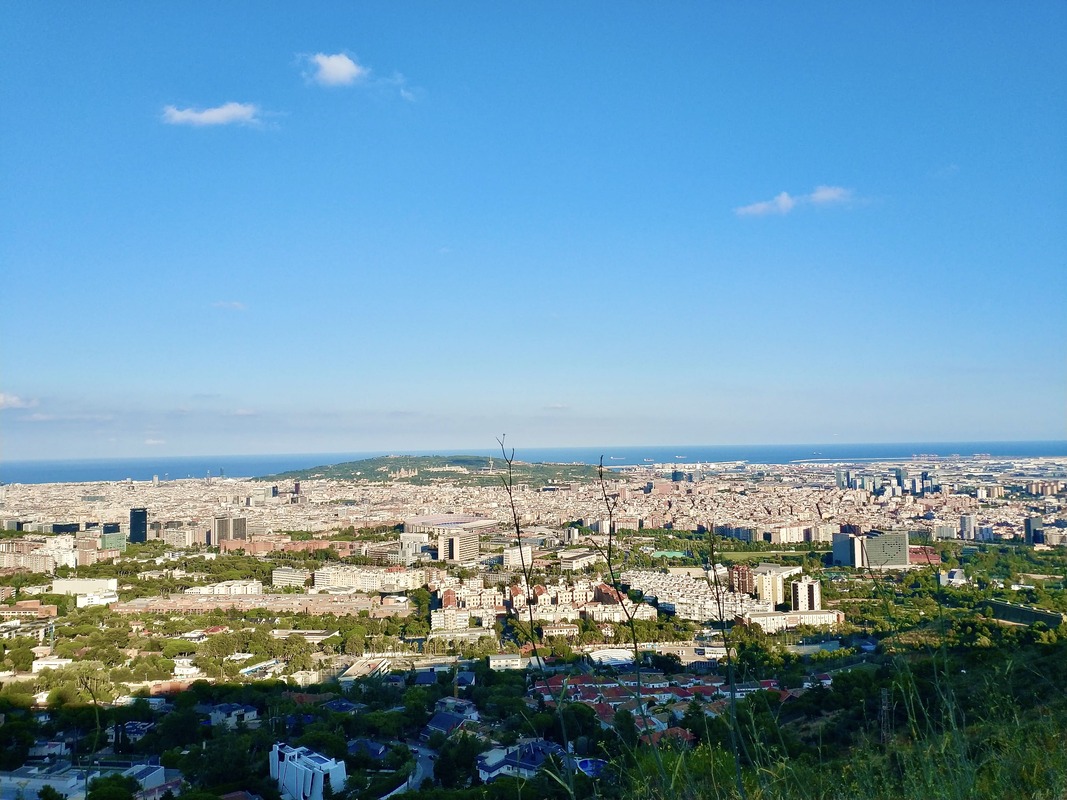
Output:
x=412 y=545
x=459 y=548
x=807 y=595
x=518 y=557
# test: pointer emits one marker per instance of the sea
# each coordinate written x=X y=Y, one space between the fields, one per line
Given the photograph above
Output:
x=251 y=466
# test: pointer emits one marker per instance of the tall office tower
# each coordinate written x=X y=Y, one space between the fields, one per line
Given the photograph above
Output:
x=900 y=476
x=843 y=478
x=459 y=548
x=985 y=533
x=807 y=595
x=221 y=530
x=1033 y=529
x=138 y=525
x=239 y=528
x=967 y=526
x=741 y=579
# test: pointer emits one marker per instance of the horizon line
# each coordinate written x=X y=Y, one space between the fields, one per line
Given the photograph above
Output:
x=456 y=451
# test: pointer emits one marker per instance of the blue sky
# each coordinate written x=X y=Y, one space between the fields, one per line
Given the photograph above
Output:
x=243 y=228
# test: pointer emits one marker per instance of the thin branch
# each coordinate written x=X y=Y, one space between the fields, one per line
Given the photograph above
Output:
x=508 y=481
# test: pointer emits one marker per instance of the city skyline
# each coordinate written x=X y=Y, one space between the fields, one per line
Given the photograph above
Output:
x=376 y=228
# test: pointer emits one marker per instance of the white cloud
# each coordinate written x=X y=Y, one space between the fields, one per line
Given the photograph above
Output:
x=785 y=202
x=245 y=412
x=782 y=204
x=14 y=401
x=226 y=114
x=557 y=407
x=232 y=305
x=154 y=442
x=336 y=70
x=824 y=195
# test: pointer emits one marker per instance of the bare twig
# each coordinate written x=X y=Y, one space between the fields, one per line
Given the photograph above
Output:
x=508 y=481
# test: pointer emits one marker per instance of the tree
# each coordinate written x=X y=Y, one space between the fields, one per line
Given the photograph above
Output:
x=667 y=663
x=455 y=767
x=17 y=736
x=624 y=725
x=112 y=787
x=48 y=792
x=179 y=728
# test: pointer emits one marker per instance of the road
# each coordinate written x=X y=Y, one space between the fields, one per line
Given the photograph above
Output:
x=423 y=769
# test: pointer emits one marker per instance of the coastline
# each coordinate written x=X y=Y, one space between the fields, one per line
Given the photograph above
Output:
x=614 y=457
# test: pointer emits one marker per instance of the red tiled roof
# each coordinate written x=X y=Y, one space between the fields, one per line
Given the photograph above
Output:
x=679 y=734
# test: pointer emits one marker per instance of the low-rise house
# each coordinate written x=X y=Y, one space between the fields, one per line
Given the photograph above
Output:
x=426 y=678
x=50 y=662
x=42 y=749
x=231 y=715
x=465 y=679
x=459 y=707
x=524 y=760
x=154 y=781
x=676 y=735
x=28 y=780
x=341 y=705
x=647 y=680
x=131 y=731
x=505 y=661
x=185 y=668
x=365 y=747
x=442 y=722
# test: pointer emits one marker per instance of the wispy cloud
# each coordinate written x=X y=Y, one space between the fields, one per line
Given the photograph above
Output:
x=154 y=442
x=337 y=69
x=557 y=407
x=245 y=412
x=42 y=417
x=231 y=305
x=226 y=114
x=784 y=202
x=827 y=195
x=14 y=401
x=400 y=84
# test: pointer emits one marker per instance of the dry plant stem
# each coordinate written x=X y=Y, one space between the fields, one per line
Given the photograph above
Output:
x=508 y=480
x=735 y=745
x=610 y=504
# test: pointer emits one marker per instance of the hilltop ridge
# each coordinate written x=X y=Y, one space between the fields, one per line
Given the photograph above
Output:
x=428 y=470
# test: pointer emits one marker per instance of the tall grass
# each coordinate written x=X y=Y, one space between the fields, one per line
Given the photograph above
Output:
x=936 y=750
